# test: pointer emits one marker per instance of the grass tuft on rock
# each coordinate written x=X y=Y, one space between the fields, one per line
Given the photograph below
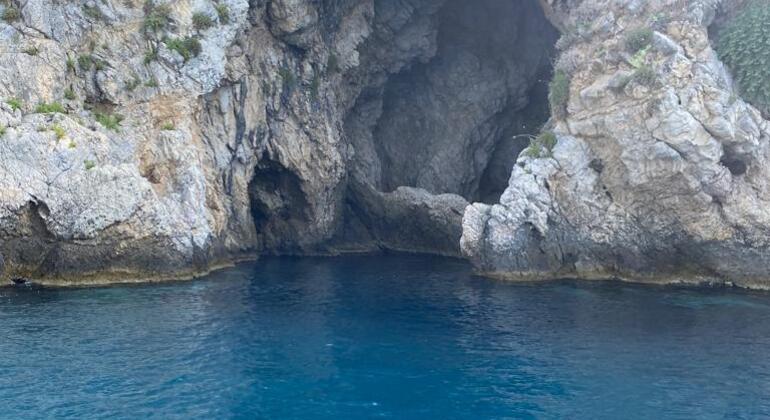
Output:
x=558 y=94
x=202 y=21
x=157 y=17
x=223 y=12
x=542 y=144
x=14 y=103
x=109 y=121
x=187 y=47
x=52 y=108
x=11 y=14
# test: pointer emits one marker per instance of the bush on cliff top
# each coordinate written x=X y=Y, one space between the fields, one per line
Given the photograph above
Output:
x=744 y=46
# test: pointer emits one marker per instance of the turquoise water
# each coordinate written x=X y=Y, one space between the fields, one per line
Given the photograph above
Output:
x=382 y=337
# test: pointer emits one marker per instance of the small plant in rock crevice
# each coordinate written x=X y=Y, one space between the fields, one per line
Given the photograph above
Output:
x=157 y=17
x=109 y=121
x=558 y=94
x=14 y=103
x=50 y=108
x=187 y=47
x=58 y=131
x=85 y=61
x=542 y=144
x=202 y=21
x=223 y=13
x=11 y=13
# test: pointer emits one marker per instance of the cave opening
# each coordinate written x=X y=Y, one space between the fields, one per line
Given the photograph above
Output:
x=278 y=206
x=457 y=122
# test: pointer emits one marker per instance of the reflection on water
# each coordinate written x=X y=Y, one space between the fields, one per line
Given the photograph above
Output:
x=394 y=336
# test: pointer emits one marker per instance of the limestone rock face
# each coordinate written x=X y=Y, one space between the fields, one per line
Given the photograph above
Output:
x=660 y=172
x=138 y=145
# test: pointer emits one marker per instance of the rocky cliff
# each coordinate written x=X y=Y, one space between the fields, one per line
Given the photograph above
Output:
x=159 y=139
x=150 y=140
x=658 y=171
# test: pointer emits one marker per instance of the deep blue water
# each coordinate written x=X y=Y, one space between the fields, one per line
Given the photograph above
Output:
x=382 y=337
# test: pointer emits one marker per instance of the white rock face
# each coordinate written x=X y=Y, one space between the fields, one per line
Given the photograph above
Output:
x=662 y=181
x=163 y=157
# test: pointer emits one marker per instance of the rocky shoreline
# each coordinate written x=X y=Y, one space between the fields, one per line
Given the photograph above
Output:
x=152 y=141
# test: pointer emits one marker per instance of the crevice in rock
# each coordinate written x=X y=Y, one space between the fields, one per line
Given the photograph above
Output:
x=734 y=163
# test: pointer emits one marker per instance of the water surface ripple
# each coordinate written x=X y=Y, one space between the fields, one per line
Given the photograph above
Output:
x=382 y=337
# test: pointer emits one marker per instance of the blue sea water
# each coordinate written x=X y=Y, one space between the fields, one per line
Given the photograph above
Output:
x=401 y=337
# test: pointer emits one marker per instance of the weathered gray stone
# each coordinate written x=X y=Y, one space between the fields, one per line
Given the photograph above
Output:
x=655 y=182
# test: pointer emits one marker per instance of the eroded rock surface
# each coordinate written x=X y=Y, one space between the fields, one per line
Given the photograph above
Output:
x=660 y=172
x=137 y=145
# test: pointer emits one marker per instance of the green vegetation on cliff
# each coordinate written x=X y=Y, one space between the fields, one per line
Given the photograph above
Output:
x=558 y=93
x=744 y=46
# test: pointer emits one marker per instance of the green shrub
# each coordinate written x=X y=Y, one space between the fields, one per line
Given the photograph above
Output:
x=52 y=108
x=70 y=64
x=534 y=150
x=545 y=142
x=168 y=126
x=187 y=47
x=156 y=17
x=109 y=121
x=152 y=83
x=69 y=94
x=223 y=12
x=100 y=64
x=89 y=164
x=85 y=61
x=14 y=103
x=11 y=14
x=638 y=39
x=638 y=59
x=744 y=46
x=2 y=130
x=202 y=21
x=33 y=51
x=558 y=94
x=58 y=131
x=151 y=55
